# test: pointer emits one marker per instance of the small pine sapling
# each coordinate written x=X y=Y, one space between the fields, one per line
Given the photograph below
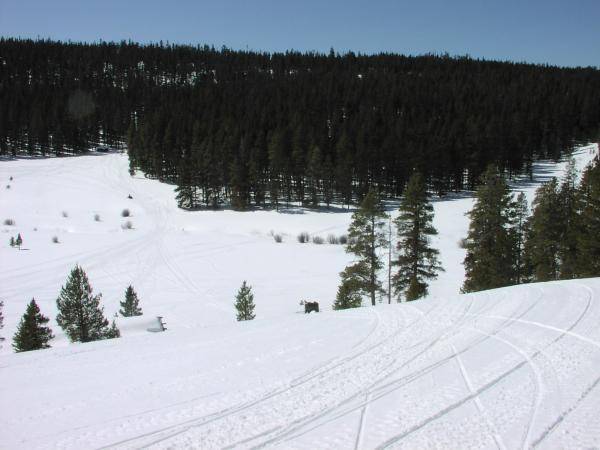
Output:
x=19 y=241
x=130 y=306
x=113 y=332
x=244 y=303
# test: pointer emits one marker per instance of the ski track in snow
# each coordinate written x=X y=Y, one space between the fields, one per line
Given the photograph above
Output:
x=516 y=367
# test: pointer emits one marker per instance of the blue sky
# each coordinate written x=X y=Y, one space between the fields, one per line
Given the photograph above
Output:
x=559 y=32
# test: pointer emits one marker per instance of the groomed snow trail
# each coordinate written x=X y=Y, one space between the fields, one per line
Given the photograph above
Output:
x=510 y=368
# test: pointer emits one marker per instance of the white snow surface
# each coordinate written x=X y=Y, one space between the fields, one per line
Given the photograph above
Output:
x=516 y=367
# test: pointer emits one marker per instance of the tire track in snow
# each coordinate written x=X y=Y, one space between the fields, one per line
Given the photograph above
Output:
x=291 y=431
x=444 y=411
x=389 y=387
x=463 y=372
x=300 y=382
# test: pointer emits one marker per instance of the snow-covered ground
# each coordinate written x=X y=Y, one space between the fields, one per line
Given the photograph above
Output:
x=514 y=367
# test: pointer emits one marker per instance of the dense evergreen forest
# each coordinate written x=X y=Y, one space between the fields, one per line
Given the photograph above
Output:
x=258 y=129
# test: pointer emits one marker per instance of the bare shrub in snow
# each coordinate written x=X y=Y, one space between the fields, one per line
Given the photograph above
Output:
x=343 y=239
x=278 y=238
x=97 y=217
x=65 y=214
x=55 y=239
x=333 y=239
x=8 y=186
x=127 y=225
x=303 y=237
x=9 y=222
x=318 y=240
x=125 y=213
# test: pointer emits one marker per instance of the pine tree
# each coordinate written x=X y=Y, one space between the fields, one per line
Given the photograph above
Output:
x=520 y=221
x=80 y=314
x=588 y=262
x=570 y=223
x=12 y=241
x=315 y=174
x=490 y=246
x=417 y=261
x=348 y=295
x=130 y=306
x=366 y=236
x=244 y=303
x=32 y=334
x=19 y=241
x=113 y=332
x=186 y=191
x=544 y=233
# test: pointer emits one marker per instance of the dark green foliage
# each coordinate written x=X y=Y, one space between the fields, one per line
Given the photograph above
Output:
x=244 y=303
x=520 y=213
x=490 y=242
x=186 y=191
x=417 y=261
x=569 y=222
x=113 y=332
x=80 y=314
x=12 y=241
x=19 y=241
x=588 y=244
x=545 y=229
x=245 y=125
x=349 y=291
x=32 y=334
x=131 y=305
x=365 y=237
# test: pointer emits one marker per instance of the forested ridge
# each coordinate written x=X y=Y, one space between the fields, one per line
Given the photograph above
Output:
x=257 y=129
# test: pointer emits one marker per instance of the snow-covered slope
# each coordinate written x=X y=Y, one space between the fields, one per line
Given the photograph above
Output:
x=185 y=266
x=509 y=368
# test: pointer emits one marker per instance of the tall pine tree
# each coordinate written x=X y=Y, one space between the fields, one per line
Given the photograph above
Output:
x=519 y=230
x=545 y=229
x=588 y=242
x=32 y=332
x=570 y=223
x=80 y=314
x=366 y=236
x=417 y=261
x=490 y=244
x=244 y=303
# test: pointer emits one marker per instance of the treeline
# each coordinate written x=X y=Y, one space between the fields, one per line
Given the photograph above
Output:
x=506 y=244
x=258 y=129
x=558 y=240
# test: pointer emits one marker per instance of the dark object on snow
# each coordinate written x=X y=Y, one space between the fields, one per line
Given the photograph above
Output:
x=129 y=196
x=310 y=307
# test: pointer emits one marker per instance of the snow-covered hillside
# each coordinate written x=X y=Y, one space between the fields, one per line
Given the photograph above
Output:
x=514 y=367
x=511 y=368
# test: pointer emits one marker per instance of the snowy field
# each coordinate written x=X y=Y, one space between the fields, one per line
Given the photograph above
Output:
x=510 y=368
